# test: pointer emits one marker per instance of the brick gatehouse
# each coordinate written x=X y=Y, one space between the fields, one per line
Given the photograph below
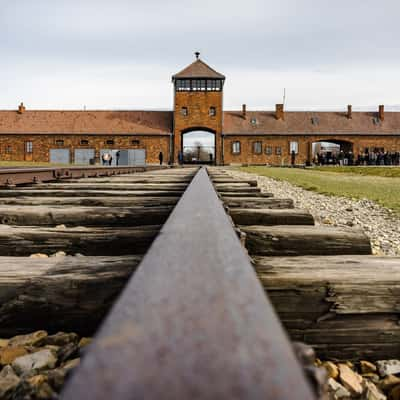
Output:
x=197 y=130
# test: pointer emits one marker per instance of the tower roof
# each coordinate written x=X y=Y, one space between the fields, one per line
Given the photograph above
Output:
x=198 y=69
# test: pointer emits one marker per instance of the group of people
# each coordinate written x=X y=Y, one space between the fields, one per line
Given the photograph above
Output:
x=366 y=158
x=107 y=159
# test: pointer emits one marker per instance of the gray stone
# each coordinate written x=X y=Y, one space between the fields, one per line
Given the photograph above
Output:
x=388 y=367
x=33 y=339
x=8 y=382
x=371 y=392
x=39 y=361
x=336 y=391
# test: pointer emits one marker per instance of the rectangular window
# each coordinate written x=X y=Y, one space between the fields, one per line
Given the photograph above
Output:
x=236 y=147
x=213 y=111
x=268 y=150
x=135 y=142
x=184 y=111
x=8 y=149
x=294 y=146
x=84 y=142
x=257 y=147
x=28 y=147
x=59 y=142
x=110 y=142
x=278 y=150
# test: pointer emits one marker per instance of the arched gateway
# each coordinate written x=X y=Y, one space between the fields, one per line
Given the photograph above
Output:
x=198 y=114
x=198 y=146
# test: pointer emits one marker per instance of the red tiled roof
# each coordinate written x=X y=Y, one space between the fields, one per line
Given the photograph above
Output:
x=302 y=123
x=198 y=69
x=87 y=122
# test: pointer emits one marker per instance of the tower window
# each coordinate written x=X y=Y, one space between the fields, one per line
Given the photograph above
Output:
x=236 y=147
x=184 y=111
x=257 y=147
x=204 y=85
x=212 y=112
x=253 y=121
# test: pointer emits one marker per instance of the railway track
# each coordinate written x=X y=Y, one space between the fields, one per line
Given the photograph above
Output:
x=192 y=320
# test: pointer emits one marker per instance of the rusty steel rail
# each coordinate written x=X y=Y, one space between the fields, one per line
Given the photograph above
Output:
x=193 y=322
x=20 y=176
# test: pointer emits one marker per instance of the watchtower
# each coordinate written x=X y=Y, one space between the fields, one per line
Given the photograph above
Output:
x=198 y=100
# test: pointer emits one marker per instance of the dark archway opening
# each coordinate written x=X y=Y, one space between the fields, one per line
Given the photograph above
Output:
x=332 y=152
x=198 y=147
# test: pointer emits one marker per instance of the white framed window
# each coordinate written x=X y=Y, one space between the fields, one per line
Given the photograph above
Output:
x=28 y=147
x=235 y=147
x=294 y=146
x=257 y=147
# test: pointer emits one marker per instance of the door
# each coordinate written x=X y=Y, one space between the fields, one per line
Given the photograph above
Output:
x=113 y=155
x=28 y=153
x=83 y=156
x=134 y=157
x=137 y=157
x=60 y=156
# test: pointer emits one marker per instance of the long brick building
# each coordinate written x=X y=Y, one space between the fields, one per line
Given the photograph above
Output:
x=197 y=130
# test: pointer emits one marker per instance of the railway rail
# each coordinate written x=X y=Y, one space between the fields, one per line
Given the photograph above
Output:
x=189 y=254
x=10 y=177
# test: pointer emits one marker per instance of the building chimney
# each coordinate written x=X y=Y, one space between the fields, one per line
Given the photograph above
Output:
x=244 y=111
x=349 y=111
x=21 y=108
x=381 y=112
x=279 y=112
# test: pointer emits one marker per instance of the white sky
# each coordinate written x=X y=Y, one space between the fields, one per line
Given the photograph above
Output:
x=58 y=54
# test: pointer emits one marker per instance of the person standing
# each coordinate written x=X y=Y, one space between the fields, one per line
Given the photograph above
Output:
x=180 y=158
x=161 y=157
x=293 y=158
x=117 y=155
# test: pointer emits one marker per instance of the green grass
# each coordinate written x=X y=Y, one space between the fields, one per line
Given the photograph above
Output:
x=391 y=172
x=379 y=184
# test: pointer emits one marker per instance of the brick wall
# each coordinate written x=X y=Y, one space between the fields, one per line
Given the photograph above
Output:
x=198 y=107
x=248 y=156
x=12 y=147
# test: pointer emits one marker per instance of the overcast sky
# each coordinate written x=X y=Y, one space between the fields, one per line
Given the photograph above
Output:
x=121 y=54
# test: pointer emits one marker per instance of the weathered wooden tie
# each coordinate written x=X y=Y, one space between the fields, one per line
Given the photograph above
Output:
x=346 y=307
x=101 y=241
x=256 y=202
x=249 y=216
x=117 y=201
x=305 y=240
x=83 y=216
x=59 y=293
